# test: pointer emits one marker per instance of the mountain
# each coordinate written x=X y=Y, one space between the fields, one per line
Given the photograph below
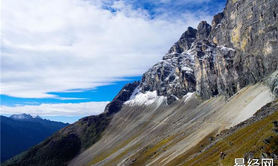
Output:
x=25 y=117
x=21 y=131
x=22 y=117
x=216 y=84
x=71 y=140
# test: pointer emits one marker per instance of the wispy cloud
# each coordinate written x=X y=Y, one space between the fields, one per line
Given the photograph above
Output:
x=69 y=109
x=55 y=46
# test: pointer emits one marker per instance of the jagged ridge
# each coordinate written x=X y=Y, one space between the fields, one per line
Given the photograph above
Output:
x=239 y=48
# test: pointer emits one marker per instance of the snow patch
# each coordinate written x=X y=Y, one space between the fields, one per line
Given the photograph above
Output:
x=21 y=116
x=187 y=69
x=223 y=48
x=190 y=54
x=147 y=98
x=187 y=97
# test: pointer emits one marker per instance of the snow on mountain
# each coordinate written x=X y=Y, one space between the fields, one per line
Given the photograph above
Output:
x=21 y=116
x=146 y=98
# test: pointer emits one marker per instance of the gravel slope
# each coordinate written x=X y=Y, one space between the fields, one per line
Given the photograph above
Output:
x=157 y=133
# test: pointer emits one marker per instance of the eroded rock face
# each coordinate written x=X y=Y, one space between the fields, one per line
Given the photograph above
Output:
x=251 y=29
x=185 y=41
x=203 y=31
x=116 y=104
x=240 y=48
x=272 y=82
x=173 y=76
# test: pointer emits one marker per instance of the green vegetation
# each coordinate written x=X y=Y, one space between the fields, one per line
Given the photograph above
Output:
x=121 y=155
x=121 y=145
x=183 y=157
x=247 y=140
x=151 y=151
x=108 y=153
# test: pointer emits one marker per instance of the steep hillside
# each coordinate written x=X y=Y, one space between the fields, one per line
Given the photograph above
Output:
x=213 y=78
x=255 y=138
x=22 y=131
x=157 y=134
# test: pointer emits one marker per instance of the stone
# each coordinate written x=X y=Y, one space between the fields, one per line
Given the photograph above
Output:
x=240 y=48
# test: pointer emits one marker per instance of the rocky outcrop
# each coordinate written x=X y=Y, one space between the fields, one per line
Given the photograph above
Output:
x=272 y=82
x=250 y=28
x=217 y=19
x=116 y=104
x=203 y=31
x=173 y=76
x=185 y=41
x=212 y=70
x=240 y=48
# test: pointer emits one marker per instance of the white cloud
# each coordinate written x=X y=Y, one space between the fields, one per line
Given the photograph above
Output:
x=54 y=46
x=68 y=109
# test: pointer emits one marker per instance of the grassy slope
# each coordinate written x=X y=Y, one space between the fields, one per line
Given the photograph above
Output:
x=141 y=148
x=240 y=143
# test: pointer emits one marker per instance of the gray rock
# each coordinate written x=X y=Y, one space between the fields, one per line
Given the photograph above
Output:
x=173 y=76
x=250 y=27
x=240 y=48
x=272 y=82
x=185 y=41
x=116 y=104
x=203 y=30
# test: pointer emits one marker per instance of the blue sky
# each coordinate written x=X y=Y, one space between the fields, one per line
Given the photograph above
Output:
x=175 y=8
x=101 y=93
x=64 y=65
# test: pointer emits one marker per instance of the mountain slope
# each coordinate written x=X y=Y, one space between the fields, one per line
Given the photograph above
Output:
x=258 y=139
x=158 y=133
x=73 y=139
x=20 y=132
x=213 y=78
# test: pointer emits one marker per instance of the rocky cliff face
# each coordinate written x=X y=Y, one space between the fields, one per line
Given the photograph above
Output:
x=173 y=76
x=251 y=29
x=240 y=48
x=116 y=104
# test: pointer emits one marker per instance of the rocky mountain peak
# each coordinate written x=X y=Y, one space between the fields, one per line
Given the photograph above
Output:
x=124 y=95
x=203 y=30
x=185 y=41
x=21 y=116
x=172 y=77
x=38 y=117
x=220 y=58
x=217 y=19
